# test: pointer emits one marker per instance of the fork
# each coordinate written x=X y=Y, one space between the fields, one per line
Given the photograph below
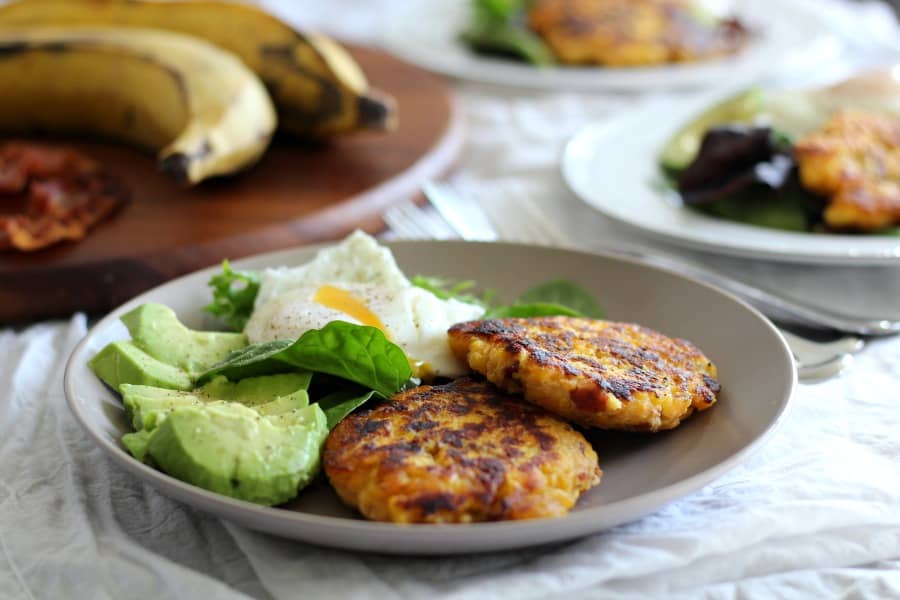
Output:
x=816 y=361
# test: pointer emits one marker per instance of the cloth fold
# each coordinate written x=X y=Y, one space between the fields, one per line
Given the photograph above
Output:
x=74 y=525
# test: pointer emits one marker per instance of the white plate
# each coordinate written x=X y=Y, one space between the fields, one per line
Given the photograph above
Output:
x=790 y=35
x=626 y=184
x=642 y=472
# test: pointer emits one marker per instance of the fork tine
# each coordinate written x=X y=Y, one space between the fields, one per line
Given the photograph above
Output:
x=437 y=227
x=407 y=212
x=518 y=218
x=410 y=221
x=396 y=223
x=400 y=220
x=514 y=217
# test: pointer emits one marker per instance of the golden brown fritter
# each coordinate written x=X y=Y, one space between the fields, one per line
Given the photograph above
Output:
x=592 y=372
x=622 y=33
x=854 y=160
x=458 y=453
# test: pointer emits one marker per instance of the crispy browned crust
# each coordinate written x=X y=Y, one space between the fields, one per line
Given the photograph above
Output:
x=458 y=453
x=617 y=33
x=592 y=372
x=854 y=160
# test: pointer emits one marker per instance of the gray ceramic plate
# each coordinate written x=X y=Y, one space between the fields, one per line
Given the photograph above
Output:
x=642 y=472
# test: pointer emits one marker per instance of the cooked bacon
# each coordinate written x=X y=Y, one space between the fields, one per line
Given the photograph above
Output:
x=65 y=194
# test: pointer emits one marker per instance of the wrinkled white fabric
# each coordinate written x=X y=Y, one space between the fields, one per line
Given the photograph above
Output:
x=72 y=524
x=814 y=514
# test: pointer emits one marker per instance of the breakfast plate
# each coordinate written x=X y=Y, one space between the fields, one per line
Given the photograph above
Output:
x=642 y=472
x=427 y=34
x=627 y=185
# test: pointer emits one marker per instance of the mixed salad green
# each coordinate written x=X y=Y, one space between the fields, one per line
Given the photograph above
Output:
x=735 y=161
x=500 y=27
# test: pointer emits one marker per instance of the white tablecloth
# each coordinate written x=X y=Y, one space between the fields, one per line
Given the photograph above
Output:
x=816 y=513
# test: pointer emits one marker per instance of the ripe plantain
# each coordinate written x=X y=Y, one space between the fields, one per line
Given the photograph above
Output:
x=199 y=106
x=318 y=88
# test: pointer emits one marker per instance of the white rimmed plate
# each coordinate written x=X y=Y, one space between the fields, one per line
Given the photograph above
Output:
x=791 y=35
x=614 y=167
x=641 y=471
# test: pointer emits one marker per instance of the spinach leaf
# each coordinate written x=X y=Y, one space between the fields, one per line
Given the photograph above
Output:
x=341 y=403
x=253 y=360
x=565 y=293
x=558 y=297
x=892 y=231
x=234 y=293
x=357 y=353
x=785 y=209
x=508 y=40
x=522 y=311
x=500 y=27
x=446 y=289
x=497 y=10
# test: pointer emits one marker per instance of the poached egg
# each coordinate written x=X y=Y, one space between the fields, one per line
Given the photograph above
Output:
x=358 y=281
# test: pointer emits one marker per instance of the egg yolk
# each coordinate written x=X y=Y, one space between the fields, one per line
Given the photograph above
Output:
x=335 y=298
x=343 y=301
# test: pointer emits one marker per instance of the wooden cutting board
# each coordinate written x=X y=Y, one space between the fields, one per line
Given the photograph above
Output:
x=297 y=194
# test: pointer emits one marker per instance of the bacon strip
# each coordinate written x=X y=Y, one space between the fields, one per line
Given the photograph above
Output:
x=65 y=194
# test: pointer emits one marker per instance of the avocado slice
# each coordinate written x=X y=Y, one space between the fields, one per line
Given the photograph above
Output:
x=146 y=406
x=136 y=443
x=682 y=148
x=257 y=390
x=231 y=449
x=123 y=362
x=156 y=330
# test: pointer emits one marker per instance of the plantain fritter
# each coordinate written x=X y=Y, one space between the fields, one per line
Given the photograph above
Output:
x=458 y=453
x=854 y=161
x=631 y=32
x=592 y=372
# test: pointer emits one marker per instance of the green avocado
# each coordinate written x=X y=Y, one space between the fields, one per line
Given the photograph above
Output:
x=136 y=443
x=267 y=395
x=146 y=405
x=123 y=362
x=231 y=449
x=156 y=330
x=258 y=390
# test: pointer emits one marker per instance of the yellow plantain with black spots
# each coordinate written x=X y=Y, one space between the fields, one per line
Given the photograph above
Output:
x=318 y=88
x=198 y=106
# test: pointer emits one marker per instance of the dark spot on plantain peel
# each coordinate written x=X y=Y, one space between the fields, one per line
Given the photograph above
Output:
x=377 y=110
x=10 y=49
x=178 y=165
x=55 y=46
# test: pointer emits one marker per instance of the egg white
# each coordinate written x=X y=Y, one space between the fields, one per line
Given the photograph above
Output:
x=413 y=318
